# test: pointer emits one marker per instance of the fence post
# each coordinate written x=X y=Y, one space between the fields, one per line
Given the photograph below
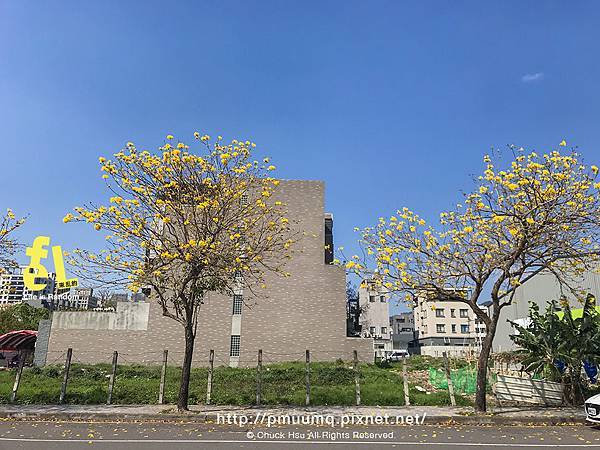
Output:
x=113 y=375
x=13 y=395
x=259 y=379
x=211 y=362
x=307 y=377
x=63 y=388
x=356 y=378
x=405 y=377
x=449 y=378
x=163 y=376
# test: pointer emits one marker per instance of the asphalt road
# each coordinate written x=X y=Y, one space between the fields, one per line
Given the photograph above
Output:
x=166 y=436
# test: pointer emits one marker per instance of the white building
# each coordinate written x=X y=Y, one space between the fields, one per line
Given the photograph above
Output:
x=375 y=317
x=83 y=298
x=50 y=283
x=13 y=289
x=446 y=326
x=11 y=286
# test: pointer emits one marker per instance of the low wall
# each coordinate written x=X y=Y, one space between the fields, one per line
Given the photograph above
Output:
x=128 y=316
x=528 y=390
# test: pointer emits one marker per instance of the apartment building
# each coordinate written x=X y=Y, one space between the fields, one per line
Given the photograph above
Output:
x=402 y=327
x=13 y=289
x=11 y=286
x=446 y=326
x=306 y=310
x=83 y=298
x=375 y=317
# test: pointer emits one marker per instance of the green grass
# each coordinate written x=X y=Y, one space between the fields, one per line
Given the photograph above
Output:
x=282 y=384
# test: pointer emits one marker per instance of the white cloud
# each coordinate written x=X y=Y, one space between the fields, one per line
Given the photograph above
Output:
x=530 y=77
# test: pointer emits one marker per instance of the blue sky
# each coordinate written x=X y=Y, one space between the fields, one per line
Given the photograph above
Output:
x=391 y=103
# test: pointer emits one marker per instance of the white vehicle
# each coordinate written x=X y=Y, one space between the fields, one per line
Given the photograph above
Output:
x=397 y=355
x=592 y=409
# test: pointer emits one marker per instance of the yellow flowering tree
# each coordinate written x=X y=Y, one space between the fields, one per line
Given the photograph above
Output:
x=8 y=244
x=184 y=224
x=538 y=213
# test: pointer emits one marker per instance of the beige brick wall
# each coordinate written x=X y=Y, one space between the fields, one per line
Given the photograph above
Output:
x=304 y=311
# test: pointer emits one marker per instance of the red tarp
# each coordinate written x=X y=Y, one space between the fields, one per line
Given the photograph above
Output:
x=18 y=340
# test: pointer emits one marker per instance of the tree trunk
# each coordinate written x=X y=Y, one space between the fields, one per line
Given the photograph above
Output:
x=482 y=366
x=184 y=387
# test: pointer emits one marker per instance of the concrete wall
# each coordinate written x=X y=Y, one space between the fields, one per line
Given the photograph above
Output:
x=304 y=311
x=128 y=316
x=540 y=289
x=41 y=344
x=454 y=351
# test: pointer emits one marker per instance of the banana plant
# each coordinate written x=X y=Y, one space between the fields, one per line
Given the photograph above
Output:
x=555 y=344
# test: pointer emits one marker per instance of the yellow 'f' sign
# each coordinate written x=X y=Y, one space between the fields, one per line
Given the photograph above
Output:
x=36 y=269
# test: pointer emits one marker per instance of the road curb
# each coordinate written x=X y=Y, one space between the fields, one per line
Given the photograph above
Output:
x=211 y=417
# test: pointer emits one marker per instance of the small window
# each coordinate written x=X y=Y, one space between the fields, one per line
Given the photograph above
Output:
x=383 y=330
x=453 y=313
x=237 y=304
x=238 y=277
x=372 y=331
x=382 y=298
x=440 y=328
x=439 y=312
x=464 y=329
x=235 y=346
x=371 y=298
x=454 y=328
x=464 y=313
x=244 y=199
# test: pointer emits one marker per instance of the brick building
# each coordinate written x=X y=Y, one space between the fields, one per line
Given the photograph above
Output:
x=304 y=311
